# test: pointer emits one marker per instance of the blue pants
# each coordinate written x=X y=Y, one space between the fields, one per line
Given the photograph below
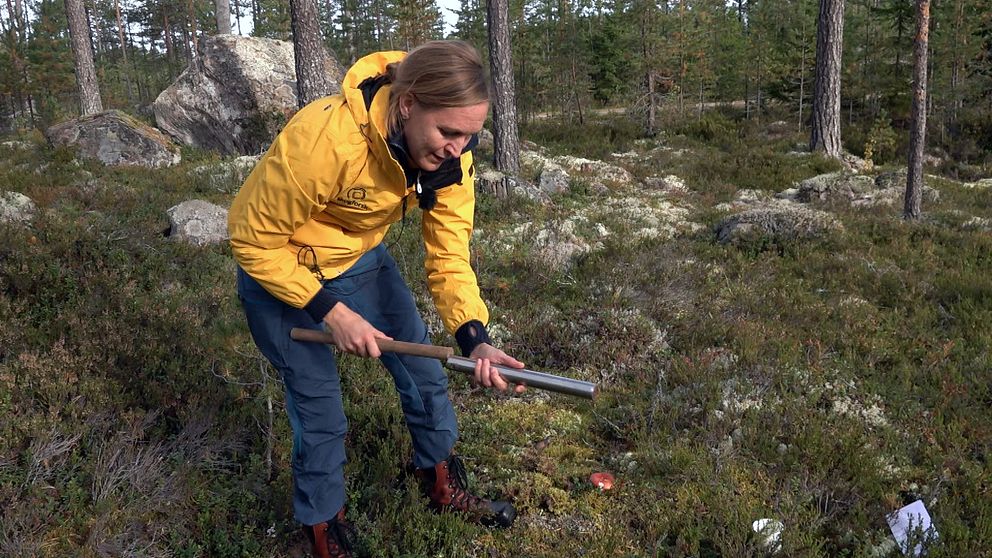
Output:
x=374 y=289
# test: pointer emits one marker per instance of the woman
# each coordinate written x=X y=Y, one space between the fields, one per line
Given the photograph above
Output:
x=307 y=230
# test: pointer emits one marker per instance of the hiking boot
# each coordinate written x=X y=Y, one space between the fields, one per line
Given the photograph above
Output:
x=446 y=484
x=331 y=539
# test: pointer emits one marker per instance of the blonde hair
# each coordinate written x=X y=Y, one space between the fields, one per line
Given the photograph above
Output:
x=439 y=74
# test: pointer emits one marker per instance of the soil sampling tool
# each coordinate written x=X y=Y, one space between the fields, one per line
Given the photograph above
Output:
x=529 y=378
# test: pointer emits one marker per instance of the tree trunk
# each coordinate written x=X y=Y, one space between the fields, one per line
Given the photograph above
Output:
x=747 y=95
x=222 y=9
x=575 y=92
x=699 y=113
x=194 y=50
x=899 y=28
x=237 y=16
x=802 y=79
x=186 y=48
x=308 y=46
x=82 y=54
x=917 y=141
x=682 y=64
x=120 y=34
x=15 y=58
x=825 y=134
x=652 y=109
x=757 y=90
x=19 y=15
x=960 y=37
x=170 y=50
x=506 y=141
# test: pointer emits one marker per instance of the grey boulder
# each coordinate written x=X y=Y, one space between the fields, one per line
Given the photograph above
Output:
x=237 y=97
x=16 y=208
x=115 y=139
x=777 y=223
x=198 y=222
x=833 y=186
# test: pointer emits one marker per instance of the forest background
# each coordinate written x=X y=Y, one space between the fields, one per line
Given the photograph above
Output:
x=568 y=57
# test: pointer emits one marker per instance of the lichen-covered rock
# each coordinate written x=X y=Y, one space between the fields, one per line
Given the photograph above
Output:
x=892 y=179
x=747 y=199
x=227 y=176
x=983 y=183
x=779 y=223
x=554 y=179
x=486 y=140
x=237 y=98
x=788 y=195
x=115 y=139
x=669 y=183
x=855 y=163
x=891 y=188
x=556 y=173
x=558 y=246
x=555 y=245
x=17 y=145
x=198 y=222
x=16 y=208
x=839 y=185
x=598 y=170
x=977 y=223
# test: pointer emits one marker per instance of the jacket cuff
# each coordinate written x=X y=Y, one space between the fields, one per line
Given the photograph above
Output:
x=470 y=335
x=320 y=305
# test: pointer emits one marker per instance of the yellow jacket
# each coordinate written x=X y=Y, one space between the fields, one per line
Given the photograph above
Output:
x=329 y=182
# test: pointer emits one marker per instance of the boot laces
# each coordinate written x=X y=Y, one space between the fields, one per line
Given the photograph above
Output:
x=458 y=482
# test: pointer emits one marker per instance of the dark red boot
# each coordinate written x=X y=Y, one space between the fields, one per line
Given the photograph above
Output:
x=446 y=484
x=331 y=539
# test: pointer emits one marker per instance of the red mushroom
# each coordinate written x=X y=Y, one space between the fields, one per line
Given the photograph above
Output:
x=602 y=481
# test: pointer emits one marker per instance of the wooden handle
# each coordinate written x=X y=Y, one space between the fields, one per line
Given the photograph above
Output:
x=385 y=345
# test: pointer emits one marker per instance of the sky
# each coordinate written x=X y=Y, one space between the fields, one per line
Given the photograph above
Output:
x=447 y=12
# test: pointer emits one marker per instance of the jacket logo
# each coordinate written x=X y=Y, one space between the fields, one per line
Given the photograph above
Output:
x=353 y=198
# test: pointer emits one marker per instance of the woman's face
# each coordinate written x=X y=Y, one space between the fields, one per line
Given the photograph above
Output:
x=435 y=134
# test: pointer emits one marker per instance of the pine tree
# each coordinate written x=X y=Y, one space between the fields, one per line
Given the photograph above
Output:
x=308 y=47
x=825 y=134
x=417 y=21
x=609 y=44
x=914 y=176
x=471 y=24
x=82 y=54
x=222 y=12
x=506 y=138
x=49 y=62
x=359 y=27
x=272 y=20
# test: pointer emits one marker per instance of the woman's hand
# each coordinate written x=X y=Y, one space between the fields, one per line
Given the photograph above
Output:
x=351 y=333
x=485 y=356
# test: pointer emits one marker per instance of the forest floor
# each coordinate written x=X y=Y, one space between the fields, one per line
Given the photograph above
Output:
x=820 y=383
